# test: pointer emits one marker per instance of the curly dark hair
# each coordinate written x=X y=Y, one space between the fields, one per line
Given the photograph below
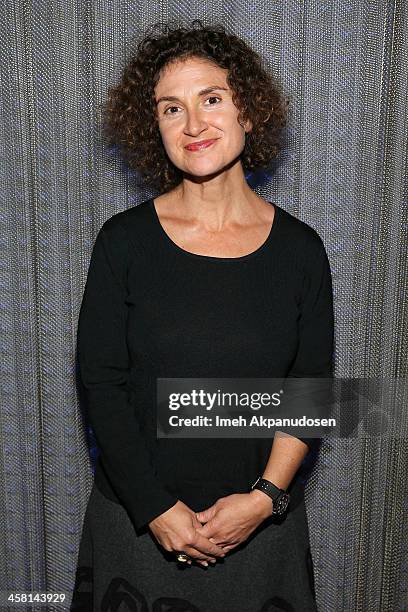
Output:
x=129 y=115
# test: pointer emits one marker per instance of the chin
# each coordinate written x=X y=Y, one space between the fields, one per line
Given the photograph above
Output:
x=204 y=172
x=207 y=168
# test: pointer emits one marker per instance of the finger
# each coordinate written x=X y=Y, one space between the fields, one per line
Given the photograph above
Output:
x=192 y=555
x=197 y=556
x=230 y=547
x=210 y=529
x=205 y=553
x=223 y=543
x=190 y=561
x=214 y=533
x=204 y=545
x=206 y=531
x=206 y=563
x=205 y=515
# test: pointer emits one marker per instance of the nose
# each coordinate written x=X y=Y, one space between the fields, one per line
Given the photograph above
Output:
x=195 y=122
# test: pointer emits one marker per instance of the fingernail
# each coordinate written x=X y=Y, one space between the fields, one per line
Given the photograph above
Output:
x=205 y=563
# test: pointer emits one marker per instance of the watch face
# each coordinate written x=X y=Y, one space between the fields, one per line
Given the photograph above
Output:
x=281 y=504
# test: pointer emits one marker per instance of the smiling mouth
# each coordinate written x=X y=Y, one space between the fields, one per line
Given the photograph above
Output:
x=200 y=145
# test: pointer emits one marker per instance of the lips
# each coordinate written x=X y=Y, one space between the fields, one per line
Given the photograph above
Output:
x=201 y=144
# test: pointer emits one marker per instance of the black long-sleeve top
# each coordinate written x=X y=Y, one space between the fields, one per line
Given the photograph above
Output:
x=151 y=309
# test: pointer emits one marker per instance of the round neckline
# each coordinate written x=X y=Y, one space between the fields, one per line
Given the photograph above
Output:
x=178 y=248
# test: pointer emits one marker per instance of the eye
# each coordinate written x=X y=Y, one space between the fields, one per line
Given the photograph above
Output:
x=169 y=108
x=213 y=98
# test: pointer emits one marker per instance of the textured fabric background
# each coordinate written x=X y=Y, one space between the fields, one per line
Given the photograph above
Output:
x=344 y=171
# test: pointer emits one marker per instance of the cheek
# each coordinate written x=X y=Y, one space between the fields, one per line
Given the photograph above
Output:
x=228 y=124
x=170 y=135
x=168 y=140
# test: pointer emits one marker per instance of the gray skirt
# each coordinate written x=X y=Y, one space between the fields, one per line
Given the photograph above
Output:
x=120 y=570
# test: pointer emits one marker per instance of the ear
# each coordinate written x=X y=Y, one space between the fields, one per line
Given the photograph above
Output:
x=248 y=125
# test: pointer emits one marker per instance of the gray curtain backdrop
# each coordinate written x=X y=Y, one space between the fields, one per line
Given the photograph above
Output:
x=344 y=171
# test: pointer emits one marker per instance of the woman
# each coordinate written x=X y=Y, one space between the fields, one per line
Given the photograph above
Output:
x=206 y=280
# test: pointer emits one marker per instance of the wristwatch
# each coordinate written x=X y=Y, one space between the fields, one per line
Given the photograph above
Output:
x=279 y=497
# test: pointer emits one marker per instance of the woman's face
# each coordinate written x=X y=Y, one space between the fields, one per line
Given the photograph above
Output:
x=200 y=108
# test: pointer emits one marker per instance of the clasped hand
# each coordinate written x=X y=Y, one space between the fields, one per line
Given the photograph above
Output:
x=213 y=532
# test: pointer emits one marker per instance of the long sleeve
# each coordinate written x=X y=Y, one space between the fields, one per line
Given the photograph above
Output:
x=316 y=322
x=104 y=367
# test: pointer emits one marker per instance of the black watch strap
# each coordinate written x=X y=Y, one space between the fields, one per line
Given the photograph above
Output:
x=279 y=497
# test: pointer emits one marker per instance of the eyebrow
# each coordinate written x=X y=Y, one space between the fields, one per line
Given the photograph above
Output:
x=203 y=92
